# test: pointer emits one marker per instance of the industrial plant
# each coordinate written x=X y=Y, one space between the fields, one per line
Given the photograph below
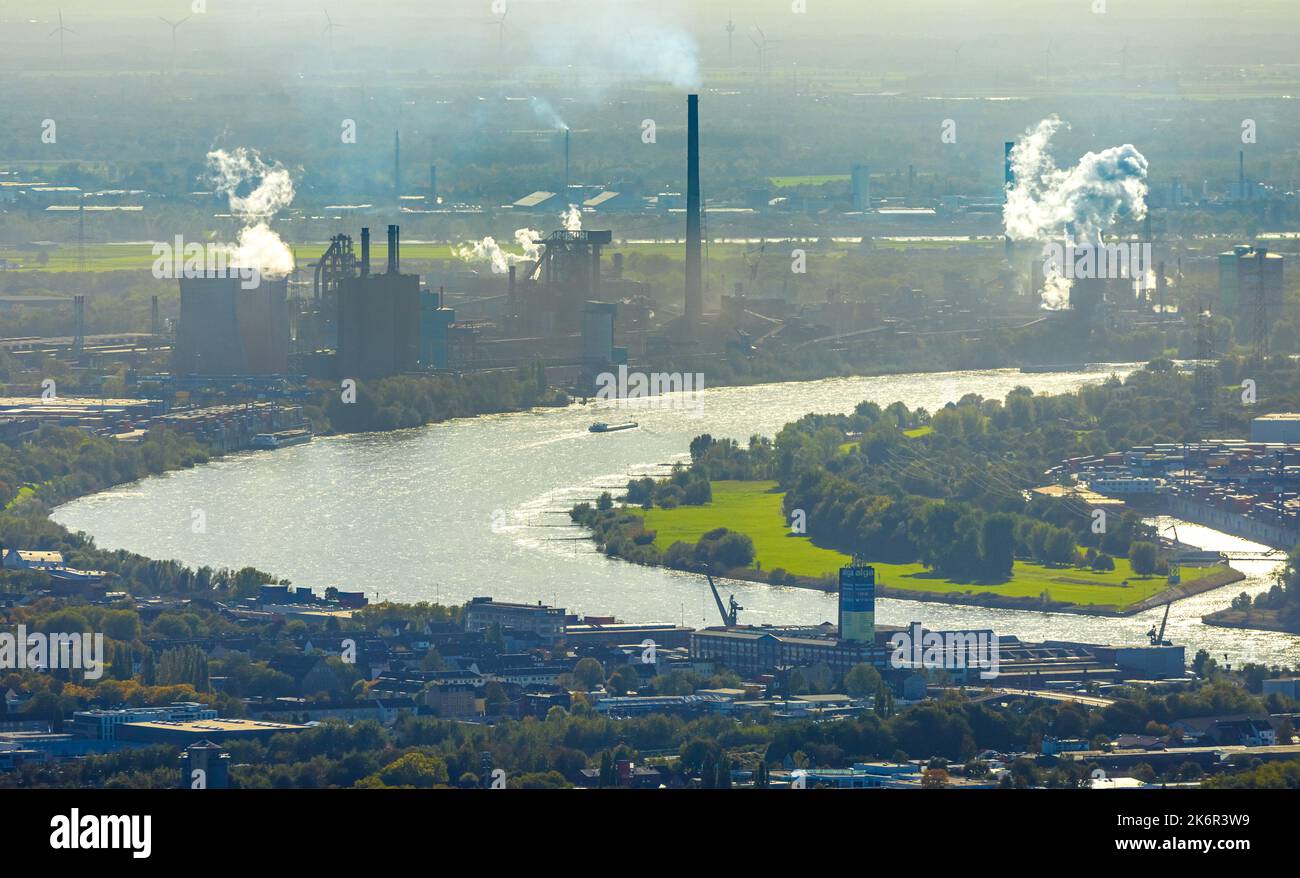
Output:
x=605 y=394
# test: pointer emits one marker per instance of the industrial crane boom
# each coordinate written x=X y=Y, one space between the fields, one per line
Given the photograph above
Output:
x=728 y=618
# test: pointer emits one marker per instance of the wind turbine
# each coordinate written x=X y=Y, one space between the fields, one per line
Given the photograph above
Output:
x=763 y=44
x=500 y=23
x=330 y=27
x=173 y=25
x=61 y=30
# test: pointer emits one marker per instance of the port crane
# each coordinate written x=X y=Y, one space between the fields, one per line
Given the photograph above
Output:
x=728 y=611
x=1158 y=638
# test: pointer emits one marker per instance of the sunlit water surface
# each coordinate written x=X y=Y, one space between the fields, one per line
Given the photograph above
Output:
x=475 y=507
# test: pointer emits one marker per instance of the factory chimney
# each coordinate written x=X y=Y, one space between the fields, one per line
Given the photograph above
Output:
x=1160 y=290
x=365 y=251
x=397 y=167
x=394 y=249
x=79 y=326
x=1008 y=183
x=433 y=185
x=694 y=287
x=566 y=165
x=1241 y=175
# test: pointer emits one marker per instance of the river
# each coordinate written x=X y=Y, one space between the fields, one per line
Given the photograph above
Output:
x=475 y=507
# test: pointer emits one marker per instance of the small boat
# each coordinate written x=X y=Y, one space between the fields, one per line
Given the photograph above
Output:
x=1053 y=367
x=602 y=427
x=282 y=439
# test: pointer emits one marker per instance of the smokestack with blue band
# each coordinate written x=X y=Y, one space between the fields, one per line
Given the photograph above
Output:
x=694 y=286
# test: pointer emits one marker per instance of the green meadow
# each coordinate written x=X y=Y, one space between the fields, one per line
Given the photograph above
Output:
x=754 y=509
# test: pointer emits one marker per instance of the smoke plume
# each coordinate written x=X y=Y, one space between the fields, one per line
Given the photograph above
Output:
x=572 y=219
x=620 y=40
x=256 y=192
x=1077 y=203
x=491 y=252
x=543 y=110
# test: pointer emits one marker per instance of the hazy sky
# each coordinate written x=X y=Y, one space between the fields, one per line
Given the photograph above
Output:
x=440 y=35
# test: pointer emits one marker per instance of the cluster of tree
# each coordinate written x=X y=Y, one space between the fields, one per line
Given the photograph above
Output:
x=414 y=400
x=954 y=493
x=1282 y=601
x=686 y=486
x=622 y=534
x=720 y=549
x=60 y=463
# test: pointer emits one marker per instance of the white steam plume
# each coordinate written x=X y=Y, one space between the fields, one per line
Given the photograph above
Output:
x=1056 y=292
x=572 y=219
x=491 y=252
x=620 y=40
x=1078 y=203
x=256 y=192
x=543 y=110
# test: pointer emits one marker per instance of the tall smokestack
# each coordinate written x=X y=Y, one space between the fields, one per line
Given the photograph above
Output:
x=397 y=167
x=1008 y=183
x=1241 y=175
x=393 y=245
x=566 y=164
x=1160 y=289
x=694 y=287
x=433 y=184
x=365 y=252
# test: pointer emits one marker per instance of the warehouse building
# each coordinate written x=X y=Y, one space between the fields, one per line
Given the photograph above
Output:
x=195 y=731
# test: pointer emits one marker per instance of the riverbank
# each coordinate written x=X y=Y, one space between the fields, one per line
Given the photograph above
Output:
x=432 y=519
x=1249 y=620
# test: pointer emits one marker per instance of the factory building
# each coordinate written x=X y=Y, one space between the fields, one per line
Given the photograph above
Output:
x=857 y=604
x=228 y=330
x=1280 y=428
x=204 y=766
x=598 y=338
x=1243 y=272
x=186 y=733
x=552 y=297
x=861 y=182
x=546 y=622
x=435 y=331
x=540 y=201
x=378 y=317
